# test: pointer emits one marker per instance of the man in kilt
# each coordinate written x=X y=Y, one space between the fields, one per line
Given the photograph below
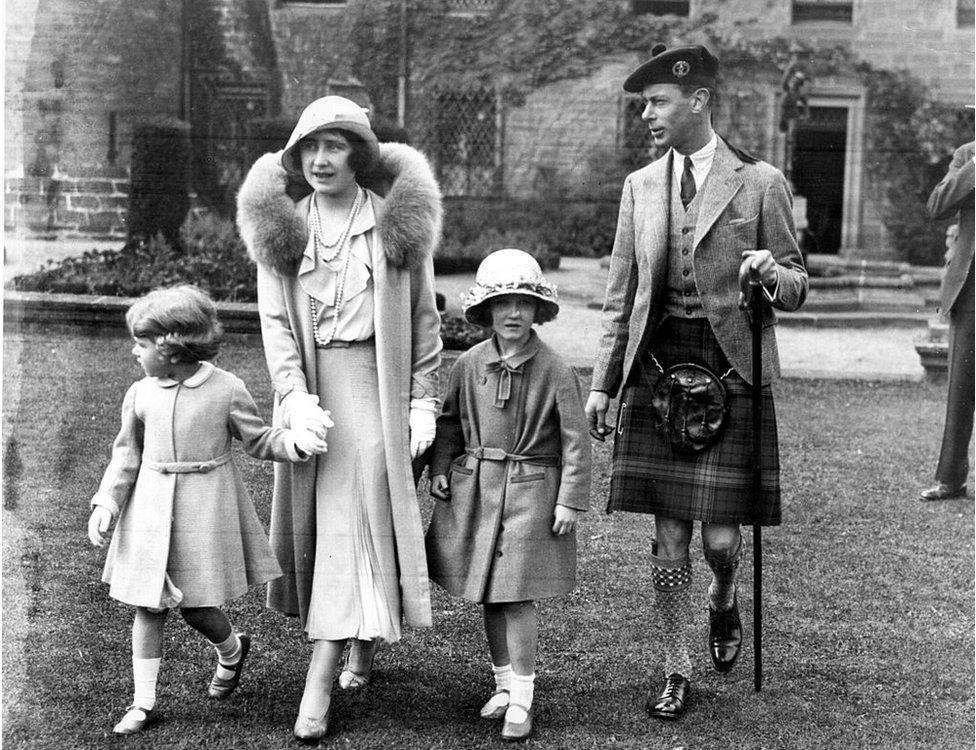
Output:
x=691 y=225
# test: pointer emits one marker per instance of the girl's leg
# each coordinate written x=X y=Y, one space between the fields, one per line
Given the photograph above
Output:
x=313 y=711
x=231 y=647
x=147 y=654
x=501 y=664
x=359 y=664
x=522 y=626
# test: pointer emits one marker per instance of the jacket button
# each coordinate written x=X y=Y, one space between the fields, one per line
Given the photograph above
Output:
x=685 y=251
x=685 y=272
x=498 y=554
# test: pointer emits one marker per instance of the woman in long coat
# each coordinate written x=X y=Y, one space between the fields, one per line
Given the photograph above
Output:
x=349 y=320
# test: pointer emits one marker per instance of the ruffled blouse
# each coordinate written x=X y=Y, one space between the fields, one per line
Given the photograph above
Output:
x=320 y=279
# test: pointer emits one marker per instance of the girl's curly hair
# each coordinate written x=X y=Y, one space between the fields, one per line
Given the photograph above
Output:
x=181 y=320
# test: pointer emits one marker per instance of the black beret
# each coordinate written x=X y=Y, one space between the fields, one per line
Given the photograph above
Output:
x=685 y=66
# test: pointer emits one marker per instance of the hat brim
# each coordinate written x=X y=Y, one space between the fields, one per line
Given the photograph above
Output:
x=290 y=158
x=477 y=307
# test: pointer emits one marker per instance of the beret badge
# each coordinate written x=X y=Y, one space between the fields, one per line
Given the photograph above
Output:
x=681 y=69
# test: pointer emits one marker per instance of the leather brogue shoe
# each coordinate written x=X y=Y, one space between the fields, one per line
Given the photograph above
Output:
x=724 y=636
x=670 y=704
x=942 y=491
x=221 y=687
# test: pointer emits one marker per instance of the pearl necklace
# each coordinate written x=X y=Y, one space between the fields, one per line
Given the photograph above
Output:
x=340 y=292
x=315 y=228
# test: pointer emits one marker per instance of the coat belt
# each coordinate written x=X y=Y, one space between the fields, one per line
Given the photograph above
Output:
x=187 y=467
x=497 y=454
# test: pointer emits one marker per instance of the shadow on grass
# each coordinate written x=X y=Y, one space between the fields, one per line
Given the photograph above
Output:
x=868 y=598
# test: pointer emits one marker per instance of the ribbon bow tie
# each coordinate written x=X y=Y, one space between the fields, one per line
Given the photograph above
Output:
x=503 y=390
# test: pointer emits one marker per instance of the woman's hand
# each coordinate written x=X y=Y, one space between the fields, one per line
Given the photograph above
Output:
x=423 y=425
x=565 y=520
x=302 y=412
x=440 y=487
x=98 y=523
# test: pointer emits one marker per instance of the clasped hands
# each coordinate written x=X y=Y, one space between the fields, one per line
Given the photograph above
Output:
x=309 y=422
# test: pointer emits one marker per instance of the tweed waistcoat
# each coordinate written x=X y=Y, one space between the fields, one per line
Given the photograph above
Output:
x=682 y=300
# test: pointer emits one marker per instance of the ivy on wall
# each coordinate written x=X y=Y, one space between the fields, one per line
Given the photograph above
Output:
x=521 y=46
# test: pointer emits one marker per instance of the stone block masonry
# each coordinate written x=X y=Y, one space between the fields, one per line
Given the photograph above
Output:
x=67 y=206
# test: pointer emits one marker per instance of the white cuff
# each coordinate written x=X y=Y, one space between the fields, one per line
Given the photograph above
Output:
x=424 y=404
x=105 y=501
x=771 y=296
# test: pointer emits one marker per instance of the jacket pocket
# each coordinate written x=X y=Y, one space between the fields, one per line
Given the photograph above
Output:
x=458 y=467
x=533 y=477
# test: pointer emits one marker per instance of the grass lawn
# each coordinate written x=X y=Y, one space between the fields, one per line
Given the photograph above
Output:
x=868 y=598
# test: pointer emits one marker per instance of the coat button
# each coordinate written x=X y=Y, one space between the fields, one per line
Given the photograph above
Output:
x=685 y=272
x=498 y=554
x=685 y=230
x=685 y=251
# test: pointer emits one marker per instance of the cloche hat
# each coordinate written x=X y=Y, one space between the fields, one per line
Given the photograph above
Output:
x=509 y=271
x=329 y=113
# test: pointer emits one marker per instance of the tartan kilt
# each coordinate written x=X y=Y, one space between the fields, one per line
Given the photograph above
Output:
x=714 y=485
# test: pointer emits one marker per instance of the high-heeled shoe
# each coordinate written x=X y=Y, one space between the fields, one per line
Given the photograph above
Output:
x=350 y=680
x=310 y=730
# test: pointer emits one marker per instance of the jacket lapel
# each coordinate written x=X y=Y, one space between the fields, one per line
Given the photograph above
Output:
x=722 y=184
x=653 y=201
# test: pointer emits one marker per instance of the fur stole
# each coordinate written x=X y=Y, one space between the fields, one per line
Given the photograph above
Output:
x=408 y=219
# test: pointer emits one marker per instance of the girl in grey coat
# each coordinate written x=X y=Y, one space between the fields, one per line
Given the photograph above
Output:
x=511 y=471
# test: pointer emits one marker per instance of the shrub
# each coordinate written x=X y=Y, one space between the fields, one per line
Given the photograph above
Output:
x=210 y=255
x=458 y=333
x=160 y=180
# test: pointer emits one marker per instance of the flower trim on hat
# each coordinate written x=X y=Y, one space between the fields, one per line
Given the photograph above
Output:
x=481 y=293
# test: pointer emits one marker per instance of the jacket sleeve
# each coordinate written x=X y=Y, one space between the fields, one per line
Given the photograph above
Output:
x=123 y=469
x=574 y=483
x=449 y=443
x=425 y=339
x=956 y=188
x=259 y=440
x=280 y=344
x=619 y=302
x=777 y=233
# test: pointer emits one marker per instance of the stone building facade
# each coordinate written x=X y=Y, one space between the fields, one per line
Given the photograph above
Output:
x=81 y=74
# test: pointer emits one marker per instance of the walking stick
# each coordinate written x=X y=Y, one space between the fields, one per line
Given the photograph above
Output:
x=756 y=305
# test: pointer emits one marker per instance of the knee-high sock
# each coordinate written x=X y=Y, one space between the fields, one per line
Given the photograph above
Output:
x=672 y=599
x=725 y=569
x=144 y=675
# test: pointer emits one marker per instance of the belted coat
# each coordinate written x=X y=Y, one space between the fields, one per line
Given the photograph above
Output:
x=513 y=441
x=181 y=506
x=407 y=327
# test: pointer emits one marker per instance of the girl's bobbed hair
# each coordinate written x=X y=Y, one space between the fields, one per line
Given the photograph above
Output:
x=181 y=320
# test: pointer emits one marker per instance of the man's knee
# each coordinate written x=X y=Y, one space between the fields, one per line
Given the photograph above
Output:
x=722 y=544
x=673 y=536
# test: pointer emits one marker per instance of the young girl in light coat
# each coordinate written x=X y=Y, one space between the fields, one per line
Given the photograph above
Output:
x=511 y=472
x=186 y=534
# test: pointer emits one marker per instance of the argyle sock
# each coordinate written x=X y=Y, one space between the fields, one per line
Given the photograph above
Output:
x=144 y=675
x=228 y=654
x=721 y=591
x=522 y=691
x=672 y=599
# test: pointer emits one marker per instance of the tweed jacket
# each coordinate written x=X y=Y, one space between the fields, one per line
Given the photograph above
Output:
x=744 y=207
x=493 y=540
x=955 y=195
x=408 y=346
x=199 y=526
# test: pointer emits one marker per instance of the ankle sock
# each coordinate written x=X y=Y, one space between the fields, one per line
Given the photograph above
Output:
x=521 y=692
x=503 y=676
x=144 y=675
x=228 y=654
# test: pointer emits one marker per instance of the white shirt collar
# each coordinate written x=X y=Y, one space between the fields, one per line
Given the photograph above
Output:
x=701 y=162
x=196 y=379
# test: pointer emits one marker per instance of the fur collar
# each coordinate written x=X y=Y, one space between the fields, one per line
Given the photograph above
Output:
x=408 y=217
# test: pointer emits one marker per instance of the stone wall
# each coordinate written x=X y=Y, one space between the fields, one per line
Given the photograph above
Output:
x=67 y=206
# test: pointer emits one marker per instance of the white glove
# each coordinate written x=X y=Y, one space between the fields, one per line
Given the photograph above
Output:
x=98 y=523
x=309 y=443
x=302 y=412
x=423 y=425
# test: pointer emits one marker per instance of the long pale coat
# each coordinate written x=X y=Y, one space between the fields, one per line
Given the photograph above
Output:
x=509 y=466
x=172 y=518
x=746 y=207
x=953 y=197
x=408 y=346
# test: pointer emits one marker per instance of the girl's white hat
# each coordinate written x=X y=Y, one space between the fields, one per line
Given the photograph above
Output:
x=329 y=113
x=509 y=271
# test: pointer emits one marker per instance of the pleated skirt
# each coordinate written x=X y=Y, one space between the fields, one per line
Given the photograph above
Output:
x=355 y=587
